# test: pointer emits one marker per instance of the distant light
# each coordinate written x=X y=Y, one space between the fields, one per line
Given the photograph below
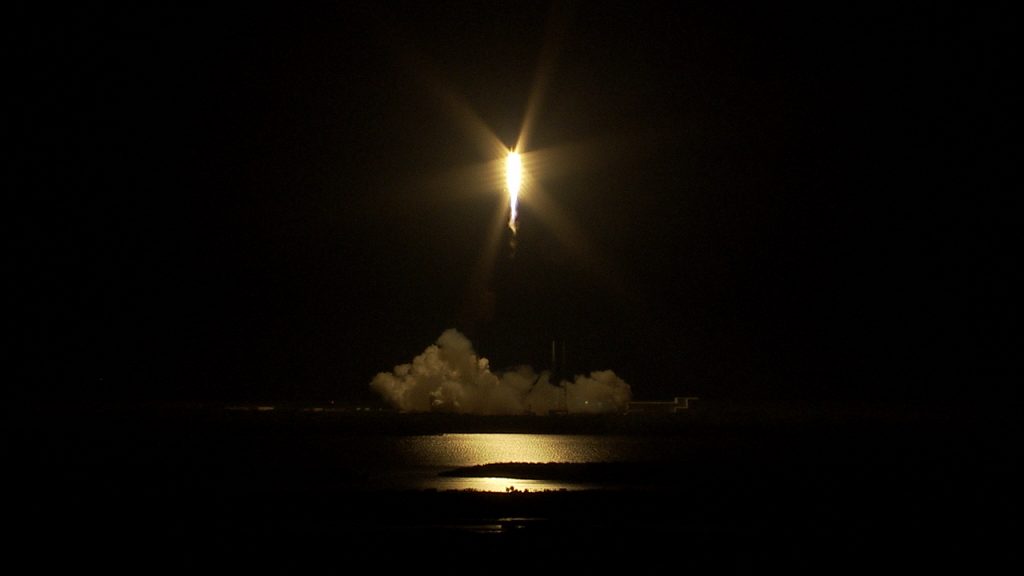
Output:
x=513 y=172
x=513 y=181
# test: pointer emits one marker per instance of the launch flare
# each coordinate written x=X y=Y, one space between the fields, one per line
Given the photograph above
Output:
x=513 y=181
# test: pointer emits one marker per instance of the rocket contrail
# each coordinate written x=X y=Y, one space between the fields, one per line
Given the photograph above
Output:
x=513 y=181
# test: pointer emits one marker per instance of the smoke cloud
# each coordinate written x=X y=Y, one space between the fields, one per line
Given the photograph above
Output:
x=449 y=377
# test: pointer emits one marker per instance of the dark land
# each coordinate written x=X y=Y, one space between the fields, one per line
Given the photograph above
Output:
x=203 y=488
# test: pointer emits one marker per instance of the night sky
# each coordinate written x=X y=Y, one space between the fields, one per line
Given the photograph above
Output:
x=275 y=203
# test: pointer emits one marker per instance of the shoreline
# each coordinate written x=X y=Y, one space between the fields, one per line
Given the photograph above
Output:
x=602 y=473
x=709 y=415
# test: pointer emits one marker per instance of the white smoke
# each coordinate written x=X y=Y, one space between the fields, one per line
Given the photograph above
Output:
x=449 y=377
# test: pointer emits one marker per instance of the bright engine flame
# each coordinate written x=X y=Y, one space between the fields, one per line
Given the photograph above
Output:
x=513 y=180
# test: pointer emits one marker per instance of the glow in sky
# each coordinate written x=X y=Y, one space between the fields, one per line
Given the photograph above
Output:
x=513 y=181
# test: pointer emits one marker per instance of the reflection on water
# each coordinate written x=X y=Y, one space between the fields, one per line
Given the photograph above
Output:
x=416 y=461
x=503 y=484
x=456 y=450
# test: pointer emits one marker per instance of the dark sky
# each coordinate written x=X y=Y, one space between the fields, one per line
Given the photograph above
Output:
x=276 y=203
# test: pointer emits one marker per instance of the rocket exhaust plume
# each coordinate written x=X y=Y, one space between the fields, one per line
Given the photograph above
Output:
x=513 y=181
x=449 y=377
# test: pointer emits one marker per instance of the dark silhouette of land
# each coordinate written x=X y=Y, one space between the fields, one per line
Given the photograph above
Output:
x=616 y=473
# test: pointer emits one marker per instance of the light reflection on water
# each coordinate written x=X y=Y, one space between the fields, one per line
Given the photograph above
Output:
x=456 y=450
x=419 y=459
x=504 y=484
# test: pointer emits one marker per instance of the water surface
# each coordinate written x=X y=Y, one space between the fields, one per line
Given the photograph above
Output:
x=414 y=462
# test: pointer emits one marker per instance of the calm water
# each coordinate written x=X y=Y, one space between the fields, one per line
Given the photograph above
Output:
x=257 y=451
x=415 y=461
